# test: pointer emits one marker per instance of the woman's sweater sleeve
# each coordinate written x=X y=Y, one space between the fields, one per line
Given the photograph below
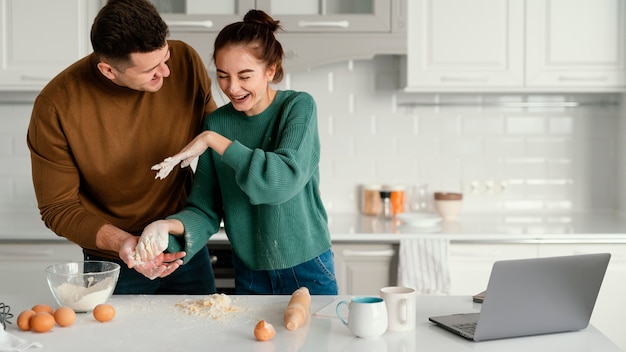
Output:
x=203 y=211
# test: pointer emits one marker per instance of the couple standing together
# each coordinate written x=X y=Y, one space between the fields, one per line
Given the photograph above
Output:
x=98 y=128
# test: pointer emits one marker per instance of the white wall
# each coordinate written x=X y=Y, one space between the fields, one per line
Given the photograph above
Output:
x=16 y=189
x=621 y=155
x=555 y=159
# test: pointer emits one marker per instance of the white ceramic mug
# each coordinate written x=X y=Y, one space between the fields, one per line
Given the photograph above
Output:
x=401 y=309
x=367 y=316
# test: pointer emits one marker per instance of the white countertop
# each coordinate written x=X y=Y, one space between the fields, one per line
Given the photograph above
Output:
x=519 y=228
x=154 y=323
x=349 y=227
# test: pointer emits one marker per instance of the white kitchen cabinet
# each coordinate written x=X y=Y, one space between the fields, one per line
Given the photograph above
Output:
x=295 y=16
x=515 y=45
x=22 y=265
x=471 y=263
x=316 y=32
x=610 y=303
x=201 y=15
x=365 y=268
x=575 y=43
x=456 y=43
x=331 y=15
x=39 y=38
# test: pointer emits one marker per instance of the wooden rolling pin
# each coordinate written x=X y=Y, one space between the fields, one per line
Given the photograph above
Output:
x=297 y=309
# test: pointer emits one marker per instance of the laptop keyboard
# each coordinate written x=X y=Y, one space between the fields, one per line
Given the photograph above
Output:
x=467 y=327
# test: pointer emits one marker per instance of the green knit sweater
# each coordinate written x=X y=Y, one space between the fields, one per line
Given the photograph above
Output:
x=265 y=186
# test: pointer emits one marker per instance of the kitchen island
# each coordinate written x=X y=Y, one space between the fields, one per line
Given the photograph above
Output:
x=366 y=251
x=155 y=323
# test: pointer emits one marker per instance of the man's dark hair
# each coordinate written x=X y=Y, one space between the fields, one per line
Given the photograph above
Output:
x=123 y=27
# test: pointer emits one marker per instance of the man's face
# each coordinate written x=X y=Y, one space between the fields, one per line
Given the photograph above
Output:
x=146 y=71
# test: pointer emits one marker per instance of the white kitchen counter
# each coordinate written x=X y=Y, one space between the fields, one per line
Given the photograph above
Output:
x=497 y=228
x=154 y=323
x=349 y=227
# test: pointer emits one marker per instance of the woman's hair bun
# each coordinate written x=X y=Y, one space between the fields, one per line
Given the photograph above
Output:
x=262 y=19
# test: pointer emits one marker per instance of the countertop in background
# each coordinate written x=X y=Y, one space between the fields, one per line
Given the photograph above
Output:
x=349 y=227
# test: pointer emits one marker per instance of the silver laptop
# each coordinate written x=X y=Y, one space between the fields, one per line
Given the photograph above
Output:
x=534 y=296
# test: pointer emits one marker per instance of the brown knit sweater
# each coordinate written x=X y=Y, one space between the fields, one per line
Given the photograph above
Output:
x=92 y=143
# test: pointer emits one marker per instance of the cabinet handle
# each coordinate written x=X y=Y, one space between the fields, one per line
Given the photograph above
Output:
x=206 y=24
x=337 y=24
x=583 y=79
x=35 y=78
x=463 y=79
x=380 y=253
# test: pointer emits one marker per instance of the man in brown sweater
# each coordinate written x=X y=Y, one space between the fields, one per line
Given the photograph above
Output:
x=98 y=127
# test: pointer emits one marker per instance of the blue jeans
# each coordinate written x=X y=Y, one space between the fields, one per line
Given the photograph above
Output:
x=317 y=274
x=194 y=278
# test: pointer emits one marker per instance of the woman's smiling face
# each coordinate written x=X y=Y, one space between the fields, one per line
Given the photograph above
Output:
x=244 y=79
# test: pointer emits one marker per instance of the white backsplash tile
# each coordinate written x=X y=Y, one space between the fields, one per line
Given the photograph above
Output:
x=474 y=123
x=418 y=146
x=504 y=147
x=526 y=125
x=7 y=147
x=551 y=159
x=560 y=125
x=374 y=147
x=549 y=147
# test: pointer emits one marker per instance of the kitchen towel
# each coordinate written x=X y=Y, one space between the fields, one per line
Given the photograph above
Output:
x=423 y=265
x=12 y=343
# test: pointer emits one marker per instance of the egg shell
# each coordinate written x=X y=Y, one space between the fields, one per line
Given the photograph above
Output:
x=104 y=312
x=64 y=316
x=23 y=320
x=42 y=308
x=264 y=331
x=41 y=322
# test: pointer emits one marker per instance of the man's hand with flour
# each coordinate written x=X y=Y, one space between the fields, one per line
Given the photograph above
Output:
x=146 y=253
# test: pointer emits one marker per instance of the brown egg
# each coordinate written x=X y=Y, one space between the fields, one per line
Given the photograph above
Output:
x=42 y=308
x=41 y=322
x=23 y=320
x=65 y=316
x=264 y=331
x=104 y=312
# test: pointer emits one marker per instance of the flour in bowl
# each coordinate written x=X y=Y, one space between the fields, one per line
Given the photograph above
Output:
x=83 y=299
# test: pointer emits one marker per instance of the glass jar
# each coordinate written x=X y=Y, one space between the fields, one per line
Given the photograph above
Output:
x=370 y=199
x=420 y=199
x=397 y=199
x=386 y=207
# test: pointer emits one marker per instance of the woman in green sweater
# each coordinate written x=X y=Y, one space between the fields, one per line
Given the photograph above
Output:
x=260 y=174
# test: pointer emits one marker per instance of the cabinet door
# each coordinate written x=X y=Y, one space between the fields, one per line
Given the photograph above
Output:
x=610 y=301
x=363 y=269
x=576 y=43
x=39 y=38
x=201 y=15
x=22 y=266
x=465 y=44
x=330 y=15
x=295 y=16
x=470 y=264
